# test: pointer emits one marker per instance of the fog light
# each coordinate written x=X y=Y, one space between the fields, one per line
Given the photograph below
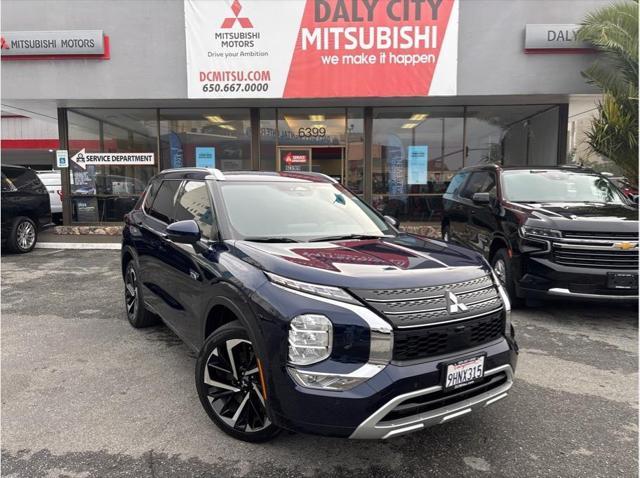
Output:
x=324 y=381
x=310 y=338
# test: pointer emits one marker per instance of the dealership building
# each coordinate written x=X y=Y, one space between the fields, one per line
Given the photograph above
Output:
x=390 y=97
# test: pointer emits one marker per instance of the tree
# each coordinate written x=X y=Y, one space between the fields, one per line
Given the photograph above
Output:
x=613 y=30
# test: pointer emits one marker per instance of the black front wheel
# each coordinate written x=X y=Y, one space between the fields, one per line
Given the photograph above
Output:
x=137 y=313
x=501 y=263
x=229 y=385
x=23 y=236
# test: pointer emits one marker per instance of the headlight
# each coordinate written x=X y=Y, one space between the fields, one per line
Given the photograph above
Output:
x=329 y=292
x=528 y=231
x=310 y=338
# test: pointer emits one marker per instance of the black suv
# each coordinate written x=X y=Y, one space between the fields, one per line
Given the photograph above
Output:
x=547 y=232
x=26 y=208
x=309 y=311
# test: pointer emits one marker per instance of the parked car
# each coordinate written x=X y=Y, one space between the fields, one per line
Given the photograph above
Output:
x=25 y=208
x=548 y=232
x=630 y=191
x=300 y=299
x=53 y=182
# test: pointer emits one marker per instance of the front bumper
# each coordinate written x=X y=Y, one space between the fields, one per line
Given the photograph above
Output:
x=369 y=411
x=377 y=427
x=541 y=277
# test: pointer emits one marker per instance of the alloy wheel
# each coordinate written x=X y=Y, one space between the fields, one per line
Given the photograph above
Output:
x=500 y=269
x=25 y=235
x=131 y=293
x=232 y=386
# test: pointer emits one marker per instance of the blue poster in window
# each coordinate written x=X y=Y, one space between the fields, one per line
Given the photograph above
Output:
x=175 y=149
x=205 y=157
x=418 y=159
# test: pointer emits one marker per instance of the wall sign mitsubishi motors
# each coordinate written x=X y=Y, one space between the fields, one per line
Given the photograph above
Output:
x=321 y=48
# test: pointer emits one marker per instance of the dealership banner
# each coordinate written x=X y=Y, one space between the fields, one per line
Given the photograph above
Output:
x=321 y=48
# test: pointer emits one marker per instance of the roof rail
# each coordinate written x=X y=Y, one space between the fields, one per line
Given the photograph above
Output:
x=216 y=173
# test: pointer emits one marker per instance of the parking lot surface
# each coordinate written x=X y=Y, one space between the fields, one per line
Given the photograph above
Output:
x=84 y=395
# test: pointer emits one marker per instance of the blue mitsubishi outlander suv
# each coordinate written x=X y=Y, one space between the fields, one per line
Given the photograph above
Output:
x=309 y=311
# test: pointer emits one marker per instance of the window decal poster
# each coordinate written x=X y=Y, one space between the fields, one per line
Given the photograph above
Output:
x=418 y=159
x=321 y=48
x=205 y=157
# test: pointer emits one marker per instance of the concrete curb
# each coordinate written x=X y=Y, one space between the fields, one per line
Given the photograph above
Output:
x=78 y=245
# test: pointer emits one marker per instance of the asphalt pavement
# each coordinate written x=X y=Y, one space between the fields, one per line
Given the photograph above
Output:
x=85 y=395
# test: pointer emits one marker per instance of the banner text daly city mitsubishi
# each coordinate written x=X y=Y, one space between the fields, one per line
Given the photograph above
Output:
x=321 y=48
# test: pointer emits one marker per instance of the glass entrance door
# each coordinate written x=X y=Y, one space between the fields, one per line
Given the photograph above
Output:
x=328 y=160
x=294 y=159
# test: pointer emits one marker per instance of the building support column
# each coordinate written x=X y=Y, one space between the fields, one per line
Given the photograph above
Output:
x=368 y=154
x=255 y=139
x=563 y=124
x=65 y=173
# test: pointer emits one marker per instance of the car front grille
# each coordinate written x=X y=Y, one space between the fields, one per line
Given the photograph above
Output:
x=414 y=344
x=422 y=306
x=602 y=250
x=601 y=259
x=601 y=236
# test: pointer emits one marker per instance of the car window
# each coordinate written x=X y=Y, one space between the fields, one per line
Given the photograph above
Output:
x=480 y=182
x=24 y=180
x=456 y=183
x=194 y=203
x=162 y=207
x=6 y=184
x=151 y=194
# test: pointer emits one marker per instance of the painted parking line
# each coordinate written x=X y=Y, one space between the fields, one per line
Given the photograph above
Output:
x=78 y=245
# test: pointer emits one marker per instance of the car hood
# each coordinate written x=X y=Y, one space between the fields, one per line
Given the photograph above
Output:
x=399 y=262
x=583 y=216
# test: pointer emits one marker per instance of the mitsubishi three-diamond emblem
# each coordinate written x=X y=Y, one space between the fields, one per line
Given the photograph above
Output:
x=454 y=305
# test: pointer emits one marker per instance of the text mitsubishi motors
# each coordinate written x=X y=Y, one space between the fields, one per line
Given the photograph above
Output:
x=321 y=48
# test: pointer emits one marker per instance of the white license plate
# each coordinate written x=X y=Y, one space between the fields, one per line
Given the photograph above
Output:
x=464 y=372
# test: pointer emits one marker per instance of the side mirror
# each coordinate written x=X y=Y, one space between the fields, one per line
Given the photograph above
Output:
x=392 y=221
x=184 y=232
x=481 y=198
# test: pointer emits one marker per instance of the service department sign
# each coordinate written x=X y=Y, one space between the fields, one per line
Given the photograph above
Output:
x=53 y=43
x=321 y=48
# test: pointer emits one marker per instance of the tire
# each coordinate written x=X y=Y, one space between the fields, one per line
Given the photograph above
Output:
x=501 y=263
x=229 y=385
x=137 y=314
x=23 y=236
x=446 y=233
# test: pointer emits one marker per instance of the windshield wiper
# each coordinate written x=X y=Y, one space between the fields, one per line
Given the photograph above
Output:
x=269 y=239
x=347 y=236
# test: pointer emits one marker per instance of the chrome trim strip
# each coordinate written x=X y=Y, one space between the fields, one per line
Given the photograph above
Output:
x=451 y=320
x=438 y=309
x=373 y=428
x=604 y=246
x=567 y=293
x=595 y=241
x=417 y=299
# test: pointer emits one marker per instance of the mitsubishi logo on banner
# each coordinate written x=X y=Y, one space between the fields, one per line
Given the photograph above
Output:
x=230 y=21
x=454 y=305
x=3 y=44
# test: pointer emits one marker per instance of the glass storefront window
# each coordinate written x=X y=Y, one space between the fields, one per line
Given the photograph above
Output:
x=354 y=168
x=219 y=138
x=512 y=135
x=106 y=193
x=416 y=151
x=268 y=139
x=311 y=126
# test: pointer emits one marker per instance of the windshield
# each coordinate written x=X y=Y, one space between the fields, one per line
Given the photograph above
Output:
x=558 y=186
x=297 y=211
